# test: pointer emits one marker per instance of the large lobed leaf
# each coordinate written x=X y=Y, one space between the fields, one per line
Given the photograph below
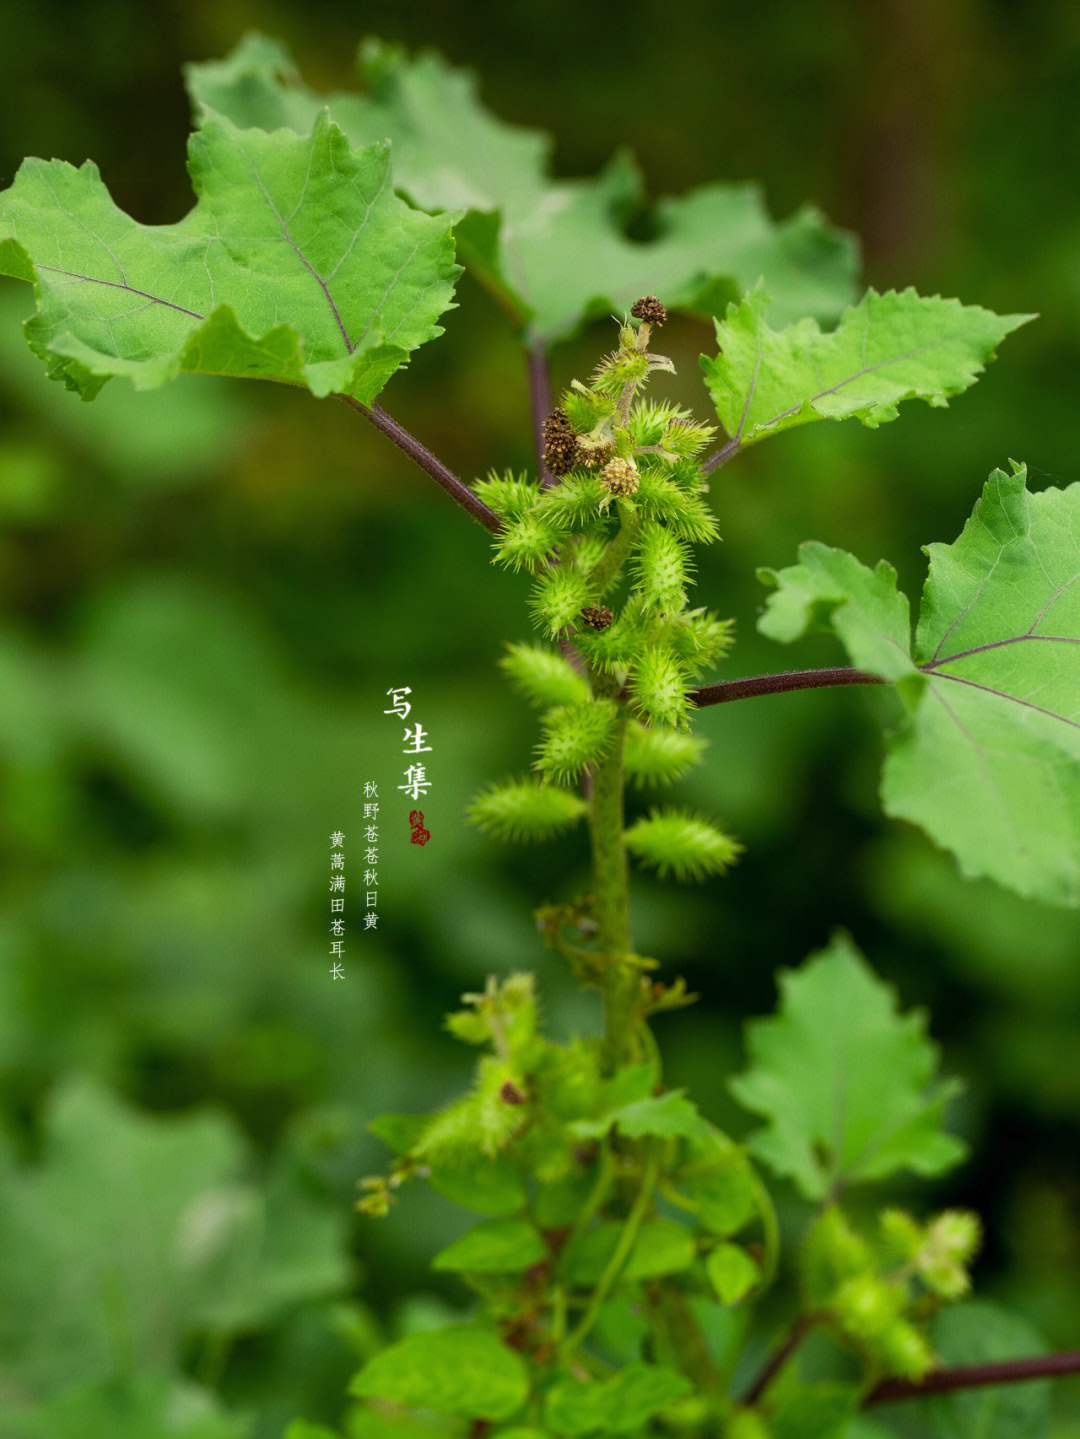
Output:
x=885 y=349
x=135 y=1234
x=553 y=252
x=988 y=761
x=298 y=263
x=845 y=1083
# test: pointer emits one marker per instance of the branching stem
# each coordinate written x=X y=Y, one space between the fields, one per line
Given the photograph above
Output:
x=718 y=694
x=540 y=399
x=975 y=1376
x=439 y=472
x=607 y=1280
x=798 y=1331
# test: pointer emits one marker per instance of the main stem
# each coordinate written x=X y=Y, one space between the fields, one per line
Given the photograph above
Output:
x=611 y=900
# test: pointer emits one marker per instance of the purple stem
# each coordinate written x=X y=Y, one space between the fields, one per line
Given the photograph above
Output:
x=721 y=457
x=718 y=694
x=540 y=397
x=975 y=1376
x=454 y=487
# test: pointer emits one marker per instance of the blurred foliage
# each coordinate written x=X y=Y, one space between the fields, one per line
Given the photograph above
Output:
x=205 y=593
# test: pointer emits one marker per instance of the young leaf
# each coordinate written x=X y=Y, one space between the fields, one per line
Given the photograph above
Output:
x=619 y=1404
x=668 y=1116
x=862 y=605
x=662 y=1247
x=732 y=1273
x=553 y=252
x=453 y=1371
x=298 y=263
x=498 y=1246
x=885 y=349
x=989 y=763
x=845 y=1083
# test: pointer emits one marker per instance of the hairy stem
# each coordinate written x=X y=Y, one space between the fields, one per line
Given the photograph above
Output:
x=718 y=694
x=606 y=570
x=540 y=398
x=428 y=462
x=611 y=899
x=722 y=455
x=975 y=1376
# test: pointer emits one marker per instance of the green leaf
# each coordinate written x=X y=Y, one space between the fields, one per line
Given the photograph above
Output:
x=666 y=1115
x=662 y=1247
x=298 y=264
x=486 y=1186
x=499 y=1246
x=133 y=1407
x=617 y=1405
x=845 y=1082
x=553 y=252
x=816 y=1411
x=885 y=349
x=862 y=605
x=989 y=763
x=210 y=1251
x=978 y=1332
x=732 y=1273
x=715 y=1176
x=453 y=1371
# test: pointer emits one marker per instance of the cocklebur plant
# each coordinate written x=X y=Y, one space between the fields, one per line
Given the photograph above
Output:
x=623 y=1240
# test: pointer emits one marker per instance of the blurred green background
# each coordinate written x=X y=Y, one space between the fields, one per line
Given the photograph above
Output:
x=205 y=593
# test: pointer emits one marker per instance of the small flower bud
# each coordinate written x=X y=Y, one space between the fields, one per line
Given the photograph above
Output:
x=649 y=308
x=598 y=616
x=560 y=443
x=620 y=476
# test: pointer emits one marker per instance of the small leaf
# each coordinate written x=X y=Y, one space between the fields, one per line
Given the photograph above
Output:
x=499 y=1246
x=714 y=1174
x=885 y=349
x=616 y=1405
x=989 y=763
x=845 y=1082
x=486 y=1186
x=666 y=1115
x=732 y=1273
x=863 y=606
x=453 y=1371
x=662 y=1247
